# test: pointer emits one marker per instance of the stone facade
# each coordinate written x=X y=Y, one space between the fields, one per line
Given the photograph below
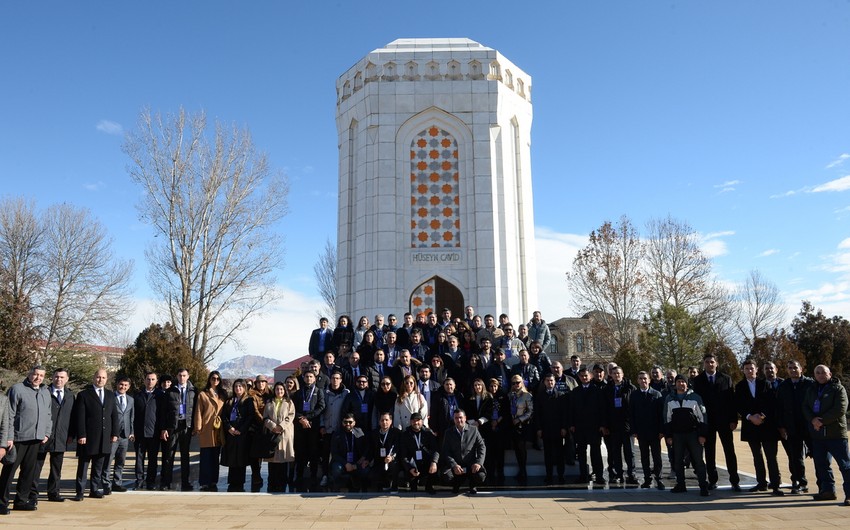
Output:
x=435 y=197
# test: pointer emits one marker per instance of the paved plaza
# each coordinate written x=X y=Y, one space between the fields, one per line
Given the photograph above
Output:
x=529 y=508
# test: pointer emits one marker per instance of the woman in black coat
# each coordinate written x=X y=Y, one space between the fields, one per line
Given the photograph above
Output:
x=343 y=333
x=236 y=417
x=496 y=433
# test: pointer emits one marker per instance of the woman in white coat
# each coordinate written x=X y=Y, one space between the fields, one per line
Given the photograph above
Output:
x=409 y=401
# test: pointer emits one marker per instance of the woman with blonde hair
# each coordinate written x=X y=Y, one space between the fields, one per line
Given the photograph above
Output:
x=278 y=417
x=409 y=401
x=522 y=408
x=207 y=428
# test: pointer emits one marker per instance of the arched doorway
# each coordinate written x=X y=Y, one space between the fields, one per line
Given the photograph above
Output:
x=435 y=294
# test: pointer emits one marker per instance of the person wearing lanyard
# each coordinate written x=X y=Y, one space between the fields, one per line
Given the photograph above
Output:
x=446 y=403
x=361 y=403
x=309 y=406
x=419 y=454
x=386 y=442
x=617 y=430
x=825 y=407
x=177 y=432
x=236 y=417
x=349 y=467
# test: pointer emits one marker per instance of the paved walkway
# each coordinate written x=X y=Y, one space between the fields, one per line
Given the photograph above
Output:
x=615 y=508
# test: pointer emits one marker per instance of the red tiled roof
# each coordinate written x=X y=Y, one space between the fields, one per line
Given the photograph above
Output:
x=294 y=364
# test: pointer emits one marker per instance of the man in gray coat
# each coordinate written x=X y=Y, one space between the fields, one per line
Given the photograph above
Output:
x=126 y=419
x=30 y=413
x=61 y=405
x=463 y=455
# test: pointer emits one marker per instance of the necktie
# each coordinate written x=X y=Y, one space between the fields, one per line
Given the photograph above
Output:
x=121 y=402
x=711 y=379
x=100 y=395
x=59 y=396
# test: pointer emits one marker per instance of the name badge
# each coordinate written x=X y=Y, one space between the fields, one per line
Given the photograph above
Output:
x=307 y=406
x=618 y=403
x=495 y=414
x=816 y=406
x=364 y=408
x=383 y=452
x=349 y=457
x=419 y=455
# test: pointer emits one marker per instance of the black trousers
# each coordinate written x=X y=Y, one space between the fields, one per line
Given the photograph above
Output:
x=728 y=444
x=594 y=441
x=178 y=440
x=472 y=479
x=98 y=479
x=688 y=444
x=553 y=454
x=147 y=453
x=56 y=459
x=769 y=447
x=795 y=448
x=650 y=446
x=26 y=459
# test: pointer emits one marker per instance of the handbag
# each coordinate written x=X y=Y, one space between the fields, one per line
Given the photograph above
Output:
x=264 y=443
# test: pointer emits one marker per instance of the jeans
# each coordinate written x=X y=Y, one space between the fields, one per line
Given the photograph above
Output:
x=823 y=451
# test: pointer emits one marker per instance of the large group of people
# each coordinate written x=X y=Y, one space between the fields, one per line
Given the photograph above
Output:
x=425 y=402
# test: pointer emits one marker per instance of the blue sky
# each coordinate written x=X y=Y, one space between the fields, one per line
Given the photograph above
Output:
x=730 y=115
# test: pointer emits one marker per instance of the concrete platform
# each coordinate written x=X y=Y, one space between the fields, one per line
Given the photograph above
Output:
x=528 y=508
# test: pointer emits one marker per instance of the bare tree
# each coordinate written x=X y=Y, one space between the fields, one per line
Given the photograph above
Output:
x=61 y=282
x=681 y=275
x=86 y=287
x=762 y=310
x=325 y=272
x=21 y=253
x=214 y=203
x=607 y=277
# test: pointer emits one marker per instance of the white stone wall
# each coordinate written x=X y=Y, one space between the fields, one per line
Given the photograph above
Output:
x=475 y=94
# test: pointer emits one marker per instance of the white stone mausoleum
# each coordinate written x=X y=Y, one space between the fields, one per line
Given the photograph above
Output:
x=435 y=202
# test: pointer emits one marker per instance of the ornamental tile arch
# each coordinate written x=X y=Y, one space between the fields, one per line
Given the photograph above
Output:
x=434 y=193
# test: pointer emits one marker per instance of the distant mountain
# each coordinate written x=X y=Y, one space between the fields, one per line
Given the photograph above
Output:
x=248 y=366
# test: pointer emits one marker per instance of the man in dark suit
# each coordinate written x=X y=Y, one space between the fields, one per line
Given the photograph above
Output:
x=586 y=427
x=96 y=427
x=360 y=402
x=62 y=405
x=793 y=428
x=718 y=395
x=462 y=455
x=756 y=402
x=147 y=434
x=126 y=434
x=320 y=340
x=177 y=431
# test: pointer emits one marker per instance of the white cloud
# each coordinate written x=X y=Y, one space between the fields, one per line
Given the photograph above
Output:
x=94 y=186
x=555 y=254
x=110 y=127
x=727 y=186
x=787 y=193
x=768 y=252
x=281 y=332
x=841 y=184
x=845 y=243
x=712 y=245
x=838 y=161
